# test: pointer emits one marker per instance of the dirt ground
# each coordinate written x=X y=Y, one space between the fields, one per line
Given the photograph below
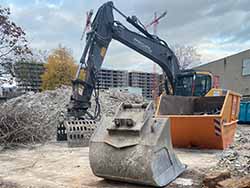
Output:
x=55 y=165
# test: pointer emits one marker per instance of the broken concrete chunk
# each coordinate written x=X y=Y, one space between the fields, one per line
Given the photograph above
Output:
x=243 y=182
x=213 y=178
x=183 y=182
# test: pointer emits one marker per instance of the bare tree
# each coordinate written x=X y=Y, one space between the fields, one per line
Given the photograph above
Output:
x=37 y=56
x=186 y=55
x=12 y=40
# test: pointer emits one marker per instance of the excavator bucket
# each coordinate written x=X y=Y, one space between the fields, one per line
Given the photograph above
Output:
x=134 y=147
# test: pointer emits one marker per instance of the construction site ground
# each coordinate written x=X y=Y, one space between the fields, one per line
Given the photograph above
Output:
x=56 y=165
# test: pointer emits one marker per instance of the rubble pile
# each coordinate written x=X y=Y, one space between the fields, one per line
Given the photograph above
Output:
x=33 y=117
x=237 y=157
x=223 y=179
x=110 y=100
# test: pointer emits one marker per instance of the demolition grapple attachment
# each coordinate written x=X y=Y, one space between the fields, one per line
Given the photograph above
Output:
x=79 y=132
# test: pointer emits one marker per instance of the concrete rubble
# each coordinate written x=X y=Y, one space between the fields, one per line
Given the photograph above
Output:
x=211 y=180
x=224 y=180
x=110 y=100
x=233 y=167
x=33 y=117
x=243 y=182
x=6 y=184
x=237 y=157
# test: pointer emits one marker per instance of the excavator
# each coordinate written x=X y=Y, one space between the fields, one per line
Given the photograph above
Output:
x=104 y=29
x=134 y=146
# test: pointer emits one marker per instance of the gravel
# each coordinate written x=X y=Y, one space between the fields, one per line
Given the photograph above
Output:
x=237 y=157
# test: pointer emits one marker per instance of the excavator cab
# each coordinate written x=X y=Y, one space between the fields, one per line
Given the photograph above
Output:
x=193 y=83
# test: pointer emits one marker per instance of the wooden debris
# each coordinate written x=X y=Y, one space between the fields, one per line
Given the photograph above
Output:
x=243 y=182
x=33 y=117
x=213 y=178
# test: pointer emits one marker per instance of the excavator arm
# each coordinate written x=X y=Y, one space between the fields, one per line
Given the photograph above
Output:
x=152 y=48
x=104 y=29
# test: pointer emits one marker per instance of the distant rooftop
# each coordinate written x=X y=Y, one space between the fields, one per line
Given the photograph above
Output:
x=248 y=50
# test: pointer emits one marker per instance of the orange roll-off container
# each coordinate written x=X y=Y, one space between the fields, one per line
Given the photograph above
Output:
x=202 y=122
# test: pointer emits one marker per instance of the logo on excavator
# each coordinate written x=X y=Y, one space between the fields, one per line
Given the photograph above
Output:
x=142 y=45
x=103 y=51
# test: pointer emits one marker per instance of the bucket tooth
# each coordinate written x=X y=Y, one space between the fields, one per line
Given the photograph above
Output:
x=134 y=147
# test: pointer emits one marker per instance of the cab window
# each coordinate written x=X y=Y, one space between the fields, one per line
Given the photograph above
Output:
x=183 y=86
x=202 y=84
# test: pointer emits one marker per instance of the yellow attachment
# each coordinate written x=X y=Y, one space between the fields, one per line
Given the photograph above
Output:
x=103 y=51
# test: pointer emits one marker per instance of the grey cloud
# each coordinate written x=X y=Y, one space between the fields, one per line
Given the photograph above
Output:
x=215 y=27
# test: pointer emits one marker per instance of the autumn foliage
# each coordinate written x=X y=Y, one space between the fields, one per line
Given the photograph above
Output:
x=59 y=70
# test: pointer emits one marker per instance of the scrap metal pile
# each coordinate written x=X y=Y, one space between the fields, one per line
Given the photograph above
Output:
x=33 y=117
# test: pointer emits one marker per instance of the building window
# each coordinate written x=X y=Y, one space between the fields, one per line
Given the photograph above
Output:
x=246 y=67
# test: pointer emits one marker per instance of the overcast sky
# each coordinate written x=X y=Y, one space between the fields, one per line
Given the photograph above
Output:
x=217 y=28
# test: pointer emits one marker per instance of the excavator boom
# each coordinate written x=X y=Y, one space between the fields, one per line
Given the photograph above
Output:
x=104 y=29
